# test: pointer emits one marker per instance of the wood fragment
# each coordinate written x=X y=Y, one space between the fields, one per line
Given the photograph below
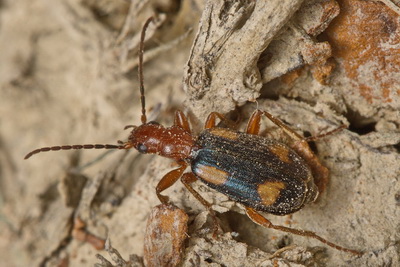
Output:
x=222 y=68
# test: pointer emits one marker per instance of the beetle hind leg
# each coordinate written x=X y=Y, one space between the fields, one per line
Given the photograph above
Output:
x=189 y=178
x=261 y=220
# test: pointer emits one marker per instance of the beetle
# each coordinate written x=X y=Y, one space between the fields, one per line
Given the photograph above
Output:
x=261 y=173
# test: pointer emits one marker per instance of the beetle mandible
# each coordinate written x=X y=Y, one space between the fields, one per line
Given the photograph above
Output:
x=261 y=173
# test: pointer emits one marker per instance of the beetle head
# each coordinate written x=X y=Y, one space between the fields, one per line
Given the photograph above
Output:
x=153 y=138
x=146 y=138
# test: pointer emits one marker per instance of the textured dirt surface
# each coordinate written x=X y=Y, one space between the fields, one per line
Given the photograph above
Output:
x=68 y=75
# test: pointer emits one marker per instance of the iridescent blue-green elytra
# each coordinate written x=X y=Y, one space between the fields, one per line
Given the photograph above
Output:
x=258 y=172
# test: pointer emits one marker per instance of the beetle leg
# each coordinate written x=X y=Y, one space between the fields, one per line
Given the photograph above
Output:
x=211 y=121
x=253 y=125
x=167 y=181
x=291 y=133
x=320 y=172
x=334 y=131
x=261 y=220
x=181 y=121
x=189 y=178
x=300 y=145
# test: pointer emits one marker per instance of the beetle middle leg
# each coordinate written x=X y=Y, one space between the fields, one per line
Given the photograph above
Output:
x=261 y=220
x=299 y=144
x=211 y=121
x=189 y=178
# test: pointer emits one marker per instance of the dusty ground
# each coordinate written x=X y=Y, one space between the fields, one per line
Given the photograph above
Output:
x=68 y=76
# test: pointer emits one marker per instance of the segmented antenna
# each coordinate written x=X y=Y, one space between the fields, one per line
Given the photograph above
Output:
x=140 y=69
x=69 y=147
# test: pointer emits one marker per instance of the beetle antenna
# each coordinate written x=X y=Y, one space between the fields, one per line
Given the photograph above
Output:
x=140 y=69
x=69 y=147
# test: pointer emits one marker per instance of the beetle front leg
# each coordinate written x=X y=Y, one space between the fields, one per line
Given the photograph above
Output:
x=181 y=121
x=261 y=220
x=189 y=178
x=167 y=181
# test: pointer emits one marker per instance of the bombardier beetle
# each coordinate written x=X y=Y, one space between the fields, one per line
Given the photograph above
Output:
x=262 y=174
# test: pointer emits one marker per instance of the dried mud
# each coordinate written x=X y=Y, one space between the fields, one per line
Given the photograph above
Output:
x=68 y=75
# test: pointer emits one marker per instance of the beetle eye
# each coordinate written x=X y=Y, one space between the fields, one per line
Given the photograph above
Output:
x=142 y=148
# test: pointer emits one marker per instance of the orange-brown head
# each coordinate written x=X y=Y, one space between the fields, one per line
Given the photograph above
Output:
x=152 y=138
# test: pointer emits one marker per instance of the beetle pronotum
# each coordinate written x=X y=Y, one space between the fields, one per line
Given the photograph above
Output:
x=260 y=173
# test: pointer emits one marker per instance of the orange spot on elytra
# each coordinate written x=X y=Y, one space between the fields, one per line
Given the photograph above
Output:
x=270 y=191
x=224 y=133
x=281 y=152
x=211 y=174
